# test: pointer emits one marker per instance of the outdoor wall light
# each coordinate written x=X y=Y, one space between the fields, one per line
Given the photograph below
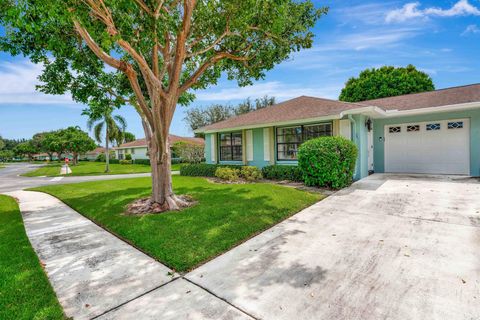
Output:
x=368 y=124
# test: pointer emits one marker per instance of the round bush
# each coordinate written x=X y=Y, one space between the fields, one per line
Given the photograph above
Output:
x=327 y=162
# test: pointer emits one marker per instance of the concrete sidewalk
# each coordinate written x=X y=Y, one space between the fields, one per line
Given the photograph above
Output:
x=96 y=274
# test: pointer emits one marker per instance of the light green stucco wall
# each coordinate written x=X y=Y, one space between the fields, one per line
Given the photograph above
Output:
x=258 y=155
x=473 y=115
x=208 y=148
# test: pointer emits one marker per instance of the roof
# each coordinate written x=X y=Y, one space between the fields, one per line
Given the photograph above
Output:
x=429 y=99
x=96 y=150
x=303 y=108
x=295 y=109
x=171 y=139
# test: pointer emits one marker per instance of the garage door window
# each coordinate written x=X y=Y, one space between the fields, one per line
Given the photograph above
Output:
x=433 y=126
x=395 y=129
x=455 y=125
x=413 y=128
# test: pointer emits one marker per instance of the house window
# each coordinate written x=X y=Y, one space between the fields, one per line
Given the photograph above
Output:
x=231 y=146
x=455 y=125
x=433 y=126
x=133 y=151
x=289 y=139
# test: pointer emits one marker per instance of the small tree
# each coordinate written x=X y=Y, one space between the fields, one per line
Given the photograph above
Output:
x=386 y=82
x=6 y=155
x=26 y=149
x=189 y=152
x=54 y=142
x=77 y=142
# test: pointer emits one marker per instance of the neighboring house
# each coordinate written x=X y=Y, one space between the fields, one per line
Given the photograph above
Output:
x=139 y=150
x=92 y=155
x=45 y=157
x=436 y=132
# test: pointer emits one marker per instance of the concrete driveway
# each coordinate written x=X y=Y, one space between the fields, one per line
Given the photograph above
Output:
x=389 y=247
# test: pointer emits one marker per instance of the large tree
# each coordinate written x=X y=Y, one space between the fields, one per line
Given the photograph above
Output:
x=76 y=142
x=385 y=82
x=25 y=149
x=163 y=48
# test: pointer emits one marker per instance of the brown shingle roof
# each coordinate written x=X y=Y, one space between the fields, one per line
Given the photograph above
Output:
x=437 y=98
x=309 y=107
x=295 y=109
x=171 y=139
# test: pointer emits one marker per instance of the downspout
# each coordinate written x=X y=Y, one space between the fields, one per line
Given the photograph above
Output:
x=355 y=140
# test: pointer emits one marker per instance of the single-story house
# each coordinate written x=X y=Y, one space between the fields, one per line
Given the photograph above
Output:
x=92 y=155
x=435 y=132
x=138 y=149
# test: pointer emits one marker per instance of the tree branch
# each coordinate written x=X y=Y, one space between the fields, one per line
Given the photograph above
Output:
x=144 y=7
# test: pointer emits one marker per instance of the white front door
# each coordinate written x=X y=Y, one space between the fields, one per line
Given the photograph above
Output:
x=435 y=147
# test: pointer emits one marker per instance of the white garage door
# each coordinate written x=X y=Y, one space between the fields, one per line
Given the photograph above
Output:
x=441 y=147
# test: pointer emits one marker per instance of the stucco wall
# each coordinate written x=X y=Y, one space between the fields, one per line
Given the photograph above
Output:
x=473 y=115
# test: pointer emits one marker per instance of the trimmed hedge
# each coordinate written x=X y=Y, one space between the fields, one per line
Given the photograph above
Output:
x=327 y=162
x=203 y=169
x=282 y=172
x=142 y=161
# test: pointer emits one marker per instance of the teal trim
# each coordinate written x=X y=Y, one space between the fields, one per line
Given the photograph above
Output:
x=208 y=148
x=258 y=149
x=360 y=138
x=233 y=163
x=473 y=115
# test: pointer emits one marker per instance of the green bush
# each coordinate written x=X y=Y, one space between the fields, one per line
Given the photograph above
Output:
x=142 y=161
x=128 y=156
x=228 y=174
x=125 y=161
x=100 y=157
x=114 y=161
x=282 y=172
x=251 y=173
x=202 y=169
x=327 y=162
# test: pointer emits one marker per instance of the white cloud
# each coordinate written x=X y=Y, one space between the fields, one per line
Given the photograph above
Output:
x=375 y=39
x=473 y=28
x=18 y=81
x=412 y=10
x=276 y=89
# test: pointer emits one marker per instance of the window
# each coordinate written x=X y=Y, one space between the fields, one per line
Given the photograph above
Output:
x=455 y=125
x=394 y=129
x=413 y=128
x=231 y=146
x=133 y=151
x=433 y=126
x=290 y=138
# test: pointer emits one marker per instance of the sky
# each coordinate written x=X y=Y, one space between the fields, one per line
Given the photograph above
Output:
x=441 y=38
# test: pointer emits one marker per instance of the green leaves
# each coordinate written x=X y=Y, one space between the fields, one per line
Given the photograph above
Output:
x=327 y=162
x=386 y=82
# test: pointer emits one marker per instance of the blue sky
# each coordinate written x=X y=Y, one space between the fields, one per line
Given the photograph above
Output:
x=441 y=38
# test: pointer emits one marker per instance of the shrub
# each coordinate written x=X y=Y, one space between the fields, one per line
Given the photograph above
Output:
x=327 y=162
x=202 y=169
x=282 y=172
x=100 y=157
x=177 y=160
x=142 y=161
x=114 y=161
x=128 y=156
x=228 y=174
x=125 y=161
x=189 y=152
x=251 y=173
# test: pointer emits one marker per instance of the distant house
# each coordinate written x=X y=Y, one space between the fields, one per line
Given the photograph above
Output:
x=436 y=132
x=138 y=149
x=92 y=155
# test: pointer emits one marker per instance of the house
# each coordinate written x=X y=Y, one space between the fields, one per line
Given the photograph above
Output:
x=92 y=155
x=436 y=132
x=138 y=149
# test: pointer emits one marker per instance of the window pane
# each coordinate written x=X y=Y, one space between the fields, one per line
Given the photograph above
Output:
x=225 y=139
x=287 y=151
x=231 y=146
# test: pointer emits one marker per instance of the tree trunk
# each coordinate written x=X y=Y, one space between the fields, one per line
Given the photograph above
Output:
x=75 y=158
x=160 y=162
x=107 y=153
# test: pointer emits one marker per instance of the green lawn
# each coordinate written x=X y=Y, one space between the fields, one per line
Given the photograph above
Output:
x=225 y=215
x=92 y=169
x=25 y=292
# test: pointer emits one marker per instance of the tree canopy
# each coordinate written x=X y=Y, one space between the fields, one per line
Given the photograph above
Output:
x=25 y=149
x=157 y=52
x=203 y=116
x=385 y=82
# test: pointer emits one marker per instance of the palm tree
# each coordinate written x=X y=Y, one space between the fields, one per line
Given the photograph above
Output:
x=114 y=126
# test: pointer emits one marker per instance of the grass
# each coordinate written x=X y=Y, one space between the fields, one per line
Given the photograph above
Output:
x=225 y=215
x=25 y=292
x=85 y=168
